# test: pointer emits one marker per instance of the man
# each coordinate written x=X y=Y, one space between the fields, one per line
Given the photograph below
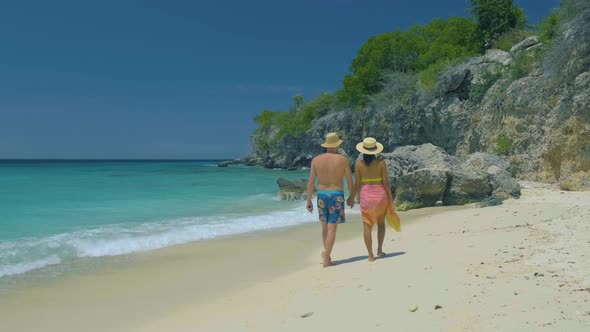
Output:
x=329 y=168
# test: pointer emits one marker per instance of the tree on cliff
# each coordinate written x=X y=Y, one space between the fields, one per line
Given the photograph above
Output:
x=495 y=17
x=420 y=48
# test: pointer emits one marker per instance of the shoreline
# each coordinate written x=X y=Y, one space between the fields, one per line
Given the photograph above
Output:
x=141 y=277
x=513 y=267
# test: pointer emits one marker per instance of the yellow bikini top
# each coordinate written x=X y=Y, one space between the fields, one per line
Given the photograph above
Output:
x=371 y=181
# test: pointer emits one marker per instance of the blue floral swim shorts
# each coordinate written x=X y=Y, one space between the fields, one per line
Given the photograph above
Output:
x=331 y=206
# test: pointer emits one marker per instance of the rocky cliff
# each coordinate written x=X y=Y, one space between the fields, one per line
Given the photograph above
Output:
x=505 y=103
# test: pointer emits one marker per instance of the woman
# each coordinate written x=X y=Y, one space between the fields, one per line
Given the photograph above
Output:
x=375 y=192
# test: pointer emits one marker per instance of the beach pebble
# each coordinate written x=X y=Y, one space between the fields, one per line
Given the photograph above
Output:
x=438 y=306
x=305 y=315
x=413 y=309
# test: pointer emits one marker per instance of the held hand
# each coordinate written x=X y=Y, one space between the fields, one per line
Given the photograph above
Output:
x=350 y=202
x=309 y=206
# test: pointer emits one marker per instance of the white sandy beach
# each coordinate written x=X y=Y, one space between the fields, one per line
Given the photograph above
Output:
x=520 y=266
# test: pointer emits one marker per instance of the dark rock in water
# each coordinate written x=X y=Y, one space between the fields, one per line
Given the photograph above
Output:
x=467 y=186
x=292 y=190
x=420 y=188
x=226 y=163
x=248 y=161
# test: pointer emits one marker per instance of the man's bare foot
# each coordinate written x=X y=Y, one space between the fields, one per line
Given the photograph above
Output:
x=371 y=258
x=380 y=253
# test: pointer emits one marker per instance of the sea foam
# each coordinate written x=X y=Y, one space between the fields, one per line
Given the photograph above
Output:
x=24 y=255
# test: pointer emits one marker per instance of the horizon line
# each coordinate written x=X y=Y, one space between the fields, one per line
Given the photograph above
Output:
x=114 y=159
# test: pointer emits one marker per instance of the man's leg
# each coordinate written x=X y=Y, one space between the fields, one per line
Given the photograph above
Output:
x=324 y=234
x=330 y=239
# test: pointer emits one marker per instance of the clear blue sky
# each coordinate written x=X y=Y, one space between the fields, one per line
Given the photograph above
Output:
x=177 y=79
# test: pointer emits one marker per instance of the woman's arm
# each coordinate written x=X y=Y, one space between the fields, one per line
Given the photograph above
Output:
x=385 y=178
x=357 y=184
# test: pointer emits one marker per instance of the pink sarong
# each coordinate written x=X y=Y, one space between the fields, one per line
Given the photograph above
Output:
x=374 y=202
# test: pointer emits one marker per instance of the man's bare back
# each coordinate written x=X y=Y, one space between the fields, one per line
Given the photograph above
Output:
x=330 y=169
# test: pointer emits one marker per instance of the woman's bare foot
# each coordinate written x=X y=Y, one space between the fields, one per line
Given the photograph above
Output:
x=380 y=253
x=371 y=258
x=327 y=263
x=324 y=258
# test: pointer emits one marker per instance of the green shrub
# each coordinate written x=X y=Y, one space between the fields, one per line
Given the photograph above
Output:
x=503 y=144
x=553 y=101
x=495 y=17
x=273 y=126
x=428 y=78
x=398 y=89
x=525 y=62
x=422 y=47
x=509 y=39
x=549 y=27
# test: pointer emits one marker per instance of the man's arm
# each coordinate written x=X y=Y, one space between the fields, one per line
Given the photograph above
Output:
x=311 y=186
x=351 y=185
x=354 y=188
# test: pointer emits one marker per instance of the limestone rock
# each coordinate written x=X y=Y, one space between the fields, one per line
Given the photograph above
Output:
x=467 y=185
x=420 y=188
x=497 y=56
x=504 y=186
x=525 y=44
x=483 y=161
x=292 y=190
x=452 y=79
x=579 y=181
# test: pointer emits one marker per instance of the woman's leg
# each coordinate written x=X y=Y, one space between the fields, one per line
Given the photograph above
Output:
x=380 y=235
x=368 y=241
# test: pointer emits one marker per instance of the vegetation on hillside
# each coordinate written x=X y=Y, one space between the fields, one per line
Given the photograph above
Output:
x=395 y=70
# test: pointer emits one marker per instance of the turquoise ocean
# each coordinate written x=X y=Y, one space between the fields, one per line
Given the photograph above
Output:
x=58 y=213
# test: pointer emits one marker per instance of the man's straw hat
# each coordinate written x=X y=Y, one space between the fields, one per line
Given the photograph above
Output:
x=332 y=141
x=369 y=146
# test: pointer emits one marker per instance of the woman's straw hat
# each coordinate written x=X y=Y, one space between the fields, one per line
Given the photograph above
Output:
x=369 y=146
x=332 y=141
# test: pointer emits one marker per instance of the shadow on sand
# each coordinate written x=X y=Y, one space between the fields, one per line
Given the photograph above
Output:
x=364 y=258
